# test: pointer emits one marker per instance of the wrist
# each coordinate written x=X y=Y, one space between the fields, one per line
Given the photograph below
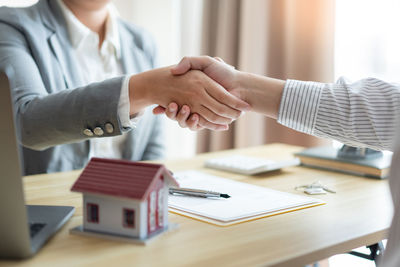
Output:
x=262 y=93
x=239 y=85
x=139 y=98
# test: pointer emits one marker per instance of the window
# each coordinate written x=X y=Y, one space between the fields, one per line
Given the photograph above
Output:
x=92 y=212
x=129 y=218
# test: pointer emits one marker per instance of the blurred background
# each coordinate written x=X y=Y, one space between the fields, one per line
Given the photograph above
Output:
x=286 y=39
x=306 y=40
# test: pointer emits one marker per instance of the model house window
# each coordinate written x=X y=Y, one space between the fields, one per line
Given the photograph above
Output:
x=160 y=207
x=129 y=218
x=92 y=212
x=152 y=211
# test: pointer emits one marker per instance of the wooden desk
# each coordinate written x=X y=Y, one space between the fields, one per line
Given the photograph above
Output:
x=359 y=214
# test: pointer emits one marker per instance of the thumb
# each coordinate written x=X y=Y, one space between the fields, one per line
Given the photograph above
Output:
x=182 y=67
x=192 y=63
x=219 y=59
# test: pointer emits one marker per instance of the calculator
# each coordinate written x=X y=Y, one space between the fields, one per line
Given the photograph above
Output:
x=248 y=165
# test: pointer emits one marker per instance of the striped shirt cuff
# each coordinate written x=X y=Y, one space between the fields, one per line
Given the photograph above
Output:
x=299 y=105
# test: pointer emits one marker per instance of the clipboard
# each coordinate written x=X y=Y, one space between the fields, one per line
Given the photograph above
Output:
x=248 y=202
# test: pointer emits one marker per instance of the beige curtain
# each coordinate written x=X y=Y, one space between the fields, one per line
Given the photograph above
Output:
x=285 y=39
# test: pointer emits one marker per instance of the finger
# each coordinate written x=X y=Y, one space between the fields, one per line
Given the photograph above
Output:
x=199 y=128
x=192 y=122
x=158 y=110
x=183 y=66
x=171 y=111
x=219 y=59
x=217 y=107
x=219 y=93
x=183 y=115
x=222 y=61
x=222 y=109
x=212 y=117
x=192 y=63
x=212 y=126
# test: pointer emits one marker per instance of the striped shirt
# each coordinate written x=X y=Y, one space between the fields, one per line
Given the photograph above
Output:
x=363 y=114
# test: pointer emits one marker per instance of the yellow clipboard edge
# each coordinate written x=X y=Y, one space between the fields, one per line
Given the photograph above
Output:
x=252 y=218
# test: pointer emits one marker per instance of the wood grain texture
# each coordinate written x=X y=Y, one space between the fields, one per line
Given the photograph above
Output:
x=359 y=214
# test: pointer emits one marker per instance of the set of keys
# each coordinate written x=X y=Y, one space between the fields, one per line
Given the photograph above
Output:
x=315 y=188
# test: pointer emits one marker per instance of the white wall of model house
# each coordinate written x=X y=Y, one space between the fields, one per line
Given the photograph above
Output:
x=111 y=213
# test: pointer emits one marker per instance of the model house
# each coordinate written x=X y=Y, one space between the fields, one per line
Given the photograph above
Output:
x=124 y=198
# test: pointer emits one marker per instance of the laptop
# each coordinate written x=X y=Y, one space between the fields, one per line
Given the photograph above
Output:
x=24 y=229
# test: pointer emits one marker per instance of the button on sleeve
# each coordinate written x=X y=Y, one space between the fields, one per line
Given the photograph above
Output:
x=109 y=128
x=98 y=131
x=88 y=132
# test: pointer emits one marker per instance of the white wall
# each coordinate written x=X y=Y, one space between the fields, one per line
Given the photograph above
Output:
x=111 y=215
x=367 y=39
x=17 y=3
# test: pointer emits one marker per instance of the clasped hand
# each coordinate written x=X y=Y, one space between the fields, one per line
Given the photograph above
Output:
x=212 y=100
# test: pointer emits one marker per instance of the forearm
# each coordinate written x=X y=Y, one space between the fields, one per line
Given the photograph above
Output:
x=262 y=93
x=139 y=92
x=361 y=114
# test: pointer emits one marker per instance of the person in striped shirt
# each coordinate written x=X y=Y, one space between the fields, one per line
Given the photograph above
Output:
x=362 y=114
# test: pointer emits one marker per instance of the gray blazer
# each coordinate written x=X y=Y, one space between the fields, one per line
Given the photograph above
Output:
x=52 y=105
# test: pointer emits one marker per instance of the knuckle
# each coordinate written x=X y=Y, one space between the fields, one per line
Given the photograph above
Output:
x=204 y=123
x=236 y=104
x=213 y=118
x=208 y=58
x=220 y=110
x=236 y=114
x=182 y=124
x=180 y=118
x=184 y=59
x=225 y=121
x=181 y=114
x=221 y=95
x=190 y=123
x=170 y=115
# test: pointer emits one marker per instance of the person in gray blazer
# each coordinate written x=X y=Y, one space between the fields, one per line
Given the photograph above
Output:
x=61 y=114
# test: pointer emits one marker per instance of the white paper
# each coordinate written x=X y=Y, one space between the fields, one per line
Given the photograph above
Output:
x=246 y=200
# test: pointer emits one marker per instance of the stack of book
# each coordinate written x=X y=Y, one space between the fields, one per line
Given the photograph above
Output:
x=326 y=157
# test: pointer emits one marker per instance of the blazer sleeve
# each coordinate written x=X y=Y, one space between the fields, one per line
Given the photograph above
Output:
x=363 y=114
x=47 y=119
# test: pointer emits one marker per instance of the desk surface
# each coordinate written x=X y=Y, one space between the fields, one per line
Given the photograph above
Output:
x=359 y=214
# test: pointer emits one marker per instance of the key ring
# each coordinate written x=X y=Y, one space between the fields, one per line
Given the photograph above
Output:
x=315 y=185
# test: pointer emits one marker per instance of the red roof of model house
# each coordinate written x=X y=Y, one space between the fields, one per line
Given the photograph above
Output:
x=121 y=178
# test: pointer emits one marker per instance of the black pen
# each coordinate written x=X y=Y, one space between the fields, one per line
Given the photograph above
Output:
x=197 y=193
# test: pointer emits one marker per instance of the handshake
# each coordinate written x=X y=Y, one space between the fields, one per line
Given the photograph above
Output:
x=204 y=92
